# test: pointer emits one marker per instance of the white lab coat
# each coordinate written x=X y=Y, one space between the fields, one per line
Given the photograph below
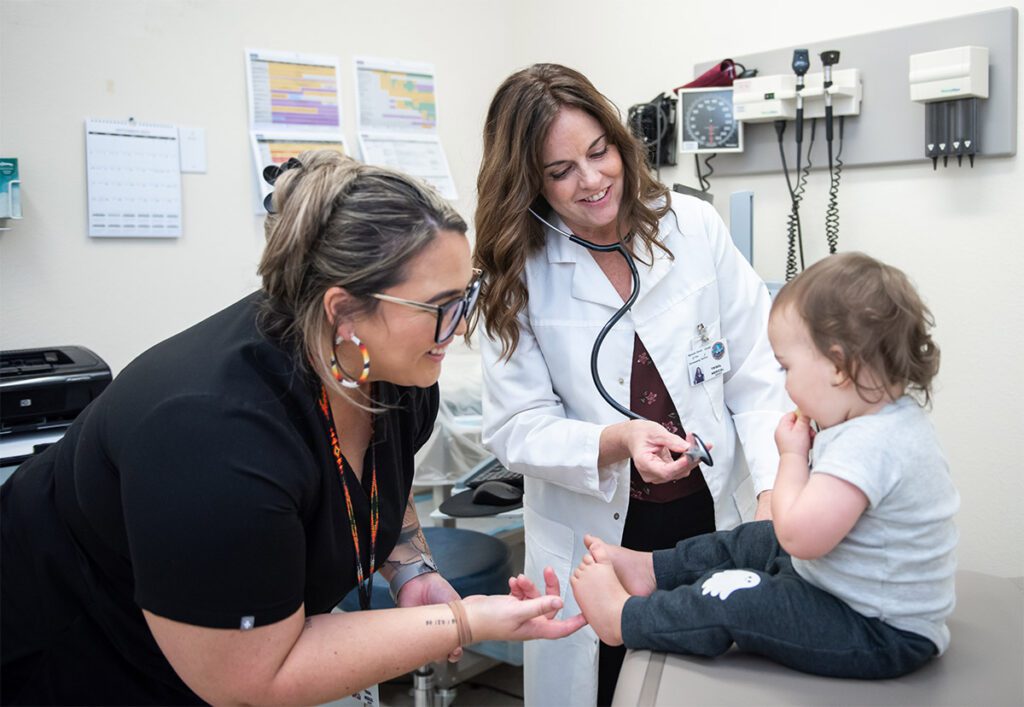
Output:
x=542 y=415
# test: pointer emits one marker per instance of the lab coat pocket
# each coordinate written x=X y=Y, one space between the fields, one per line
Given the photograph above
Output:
x=745 y=499
x=548 y=544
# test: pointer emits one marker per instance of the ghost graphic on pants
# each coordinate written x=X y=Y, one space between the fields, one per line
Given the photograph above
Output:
x=722 y=584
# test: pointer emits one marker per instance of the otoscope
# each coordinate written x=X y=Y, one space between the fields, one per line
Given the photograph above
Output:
x=828 y=60
x=697 y=453
x=801 y=63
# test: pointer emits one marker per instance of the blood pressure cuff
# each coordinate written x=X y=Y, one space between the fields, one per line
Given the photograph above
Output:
x=722 y=74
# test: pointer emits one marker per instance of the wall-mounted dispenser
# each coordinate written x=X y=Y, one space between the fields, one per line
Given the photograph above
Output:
x=10 y=191
x=950 y=82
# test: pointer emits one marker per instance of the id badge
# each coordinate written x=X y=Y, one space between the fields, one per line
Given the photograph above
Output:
x=369 y=697
x=708 y=361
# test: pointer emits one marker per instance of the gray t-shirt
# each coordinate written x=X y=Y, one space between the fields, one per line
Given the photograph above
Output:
x=897 y=563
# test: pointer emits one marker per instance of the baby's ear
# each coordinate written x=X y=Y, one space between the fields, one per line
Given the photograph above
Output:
x=838 y=358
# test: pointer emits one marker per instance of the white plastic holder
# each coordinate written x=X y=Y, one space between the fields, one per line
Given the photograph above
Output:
x=947 y=74
x=765 y=99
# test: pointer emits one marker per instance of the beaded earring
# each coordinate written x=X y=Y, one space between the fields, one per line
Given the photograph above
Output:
x=340 y=374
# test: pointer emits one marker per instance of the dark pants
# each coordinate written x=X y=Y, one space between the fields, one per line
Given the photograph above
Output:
x=653 y=526
x=782 y=616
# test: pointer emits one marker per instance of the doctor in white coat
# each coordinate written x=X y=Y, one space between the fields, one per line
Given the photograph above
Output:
x=554 y=144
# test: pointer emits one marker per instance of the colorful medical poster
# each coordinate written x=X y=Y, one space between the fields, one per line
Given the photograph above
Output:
x=396 y=97
x=294 y=105
x=293 y=91
x=396 y=105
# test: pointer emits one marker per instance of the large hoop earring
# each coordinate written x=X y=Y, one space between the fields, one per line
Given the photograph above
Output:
x=340 y=374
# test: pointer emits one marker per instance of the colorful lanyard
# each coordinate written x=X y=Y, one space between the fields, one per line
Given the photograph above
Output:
x=365 y=583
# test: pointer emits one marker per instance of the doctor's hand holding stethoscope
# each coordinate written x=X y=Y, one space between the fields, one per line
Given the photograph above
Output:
x=658 y=455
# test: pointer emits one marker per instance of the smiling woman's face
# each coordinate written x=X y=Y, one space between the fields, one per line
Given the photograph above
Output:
x=582 y=175
x=400 y=339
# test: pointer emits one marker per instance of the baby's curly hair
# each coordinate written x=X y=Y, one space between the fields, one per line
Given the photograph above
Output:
x=864 y=314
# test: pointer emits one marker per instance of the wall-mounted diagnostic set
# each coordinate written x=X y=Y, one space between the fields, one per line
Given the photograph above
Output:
x=962 y=74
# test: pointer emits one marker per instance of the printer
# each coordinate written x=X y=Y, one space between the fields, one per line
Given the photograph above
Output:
x=42 y=391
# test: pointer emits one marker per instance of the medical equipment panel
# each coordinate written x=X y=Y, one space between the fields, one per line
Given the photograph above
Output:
x=888 y=128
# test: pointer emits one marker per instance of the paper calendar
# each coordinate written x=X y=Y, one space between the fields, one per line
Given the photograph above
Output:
x=134 y=179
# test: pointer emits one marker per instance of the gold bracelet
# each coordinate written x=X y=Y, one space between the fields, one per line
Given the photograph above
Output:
x=461 y=622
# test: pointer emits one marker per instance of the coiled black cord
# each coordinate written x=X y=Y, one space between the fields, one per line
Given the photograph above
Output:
x=702 y=177
x=795 y=233
x=711 y=170
x=805 y=173
x=832 y=212
x=793 y=230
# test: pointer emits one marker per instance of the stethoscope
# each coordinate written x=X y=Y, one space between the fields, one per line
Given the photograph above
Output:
x=699 y=452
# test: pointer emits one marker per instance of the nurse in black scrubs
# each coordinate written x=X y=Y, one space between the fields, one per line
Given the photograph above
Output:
x=188 y=537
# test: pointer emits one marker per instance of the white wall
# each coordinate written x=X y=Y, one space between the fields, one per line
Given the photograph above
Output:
x=958 y=233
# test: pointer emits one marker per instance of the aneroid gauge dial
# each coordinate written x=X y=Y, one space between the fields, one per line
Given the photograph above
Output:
x=709 y=123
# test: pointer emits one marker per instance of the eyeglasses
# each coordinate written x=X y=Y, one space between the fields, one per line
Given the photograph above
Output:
x=449 y=314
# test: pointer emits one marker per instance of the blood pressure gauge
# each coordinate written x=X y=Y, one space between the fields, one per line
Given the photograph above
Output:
x=708 y=122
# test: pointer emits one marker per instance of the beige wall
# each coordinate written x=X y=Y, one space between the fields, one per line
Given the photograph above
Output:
x=182 y=62
x=957 y=233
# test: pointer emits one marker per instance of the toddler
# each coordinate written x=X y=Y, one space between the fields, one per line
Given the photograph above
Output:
x=853 y=577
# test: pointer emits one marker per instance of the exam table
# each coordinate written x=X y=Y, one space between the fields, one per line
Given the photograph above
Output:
x=984 y=665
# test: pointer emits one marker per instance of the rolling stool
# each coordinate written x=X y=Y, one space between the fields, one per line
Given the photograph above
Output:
x=473 y=563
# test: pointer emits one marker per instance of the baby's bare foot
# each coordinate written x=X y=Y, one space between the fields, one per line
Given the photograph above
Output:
x=635 y=570
x=601 y=598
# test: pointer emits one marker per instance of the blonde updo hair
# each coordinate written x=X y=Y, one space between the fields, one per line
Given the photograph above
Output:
x=340 y=223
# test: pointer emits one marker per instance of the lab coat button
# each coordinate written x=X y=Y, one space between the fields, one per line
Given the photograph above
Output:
x=616 y=516
x=622 y=381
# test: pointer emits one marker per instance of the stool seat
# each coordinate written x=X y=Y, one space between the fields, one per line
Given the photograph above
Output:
x=472 y=562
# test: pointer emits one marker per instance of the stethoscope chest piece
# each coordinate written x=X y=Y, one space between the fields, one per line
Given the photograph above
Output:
x=699 y=452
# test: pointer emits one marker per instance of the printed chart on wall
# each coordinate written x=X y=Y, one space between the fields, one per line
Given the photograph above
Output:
x=294 y=105
x=134 y=179
x=397 y=109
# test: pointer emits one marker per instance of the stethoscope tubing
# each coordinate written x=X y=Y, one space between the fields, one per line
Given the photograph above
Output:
x=701 y=452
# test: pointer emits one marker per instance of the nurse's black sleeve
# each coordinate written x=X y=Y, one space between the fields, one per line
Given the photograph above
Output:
x=211 y=491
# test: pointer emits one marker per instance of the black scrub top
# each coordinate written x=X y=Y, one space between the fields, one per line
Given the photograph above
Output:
x=199 y=486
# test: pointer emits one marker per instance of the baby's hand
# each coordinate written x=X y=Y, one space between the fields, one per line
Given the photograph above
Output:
x=794 y=434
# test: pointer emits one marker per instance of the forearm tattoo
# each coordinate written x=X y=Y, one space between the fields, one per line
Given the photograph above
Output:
x=411 y=545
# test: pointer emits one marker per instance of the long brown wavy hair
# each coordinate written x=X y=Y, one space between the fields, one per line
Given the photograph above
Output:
x=511 y=179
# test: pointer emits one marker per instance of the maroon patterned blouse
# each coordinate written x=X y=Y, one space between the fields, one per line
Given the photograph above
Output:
x=649 y=397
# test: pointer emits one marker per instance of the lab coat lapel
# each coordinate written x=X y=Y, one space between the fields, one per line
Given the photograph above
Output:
x=651 y=276
x=589 y=283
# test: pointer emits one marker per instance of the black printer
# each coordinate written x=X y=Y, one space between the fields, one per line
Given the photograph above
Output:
x=44 y=389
